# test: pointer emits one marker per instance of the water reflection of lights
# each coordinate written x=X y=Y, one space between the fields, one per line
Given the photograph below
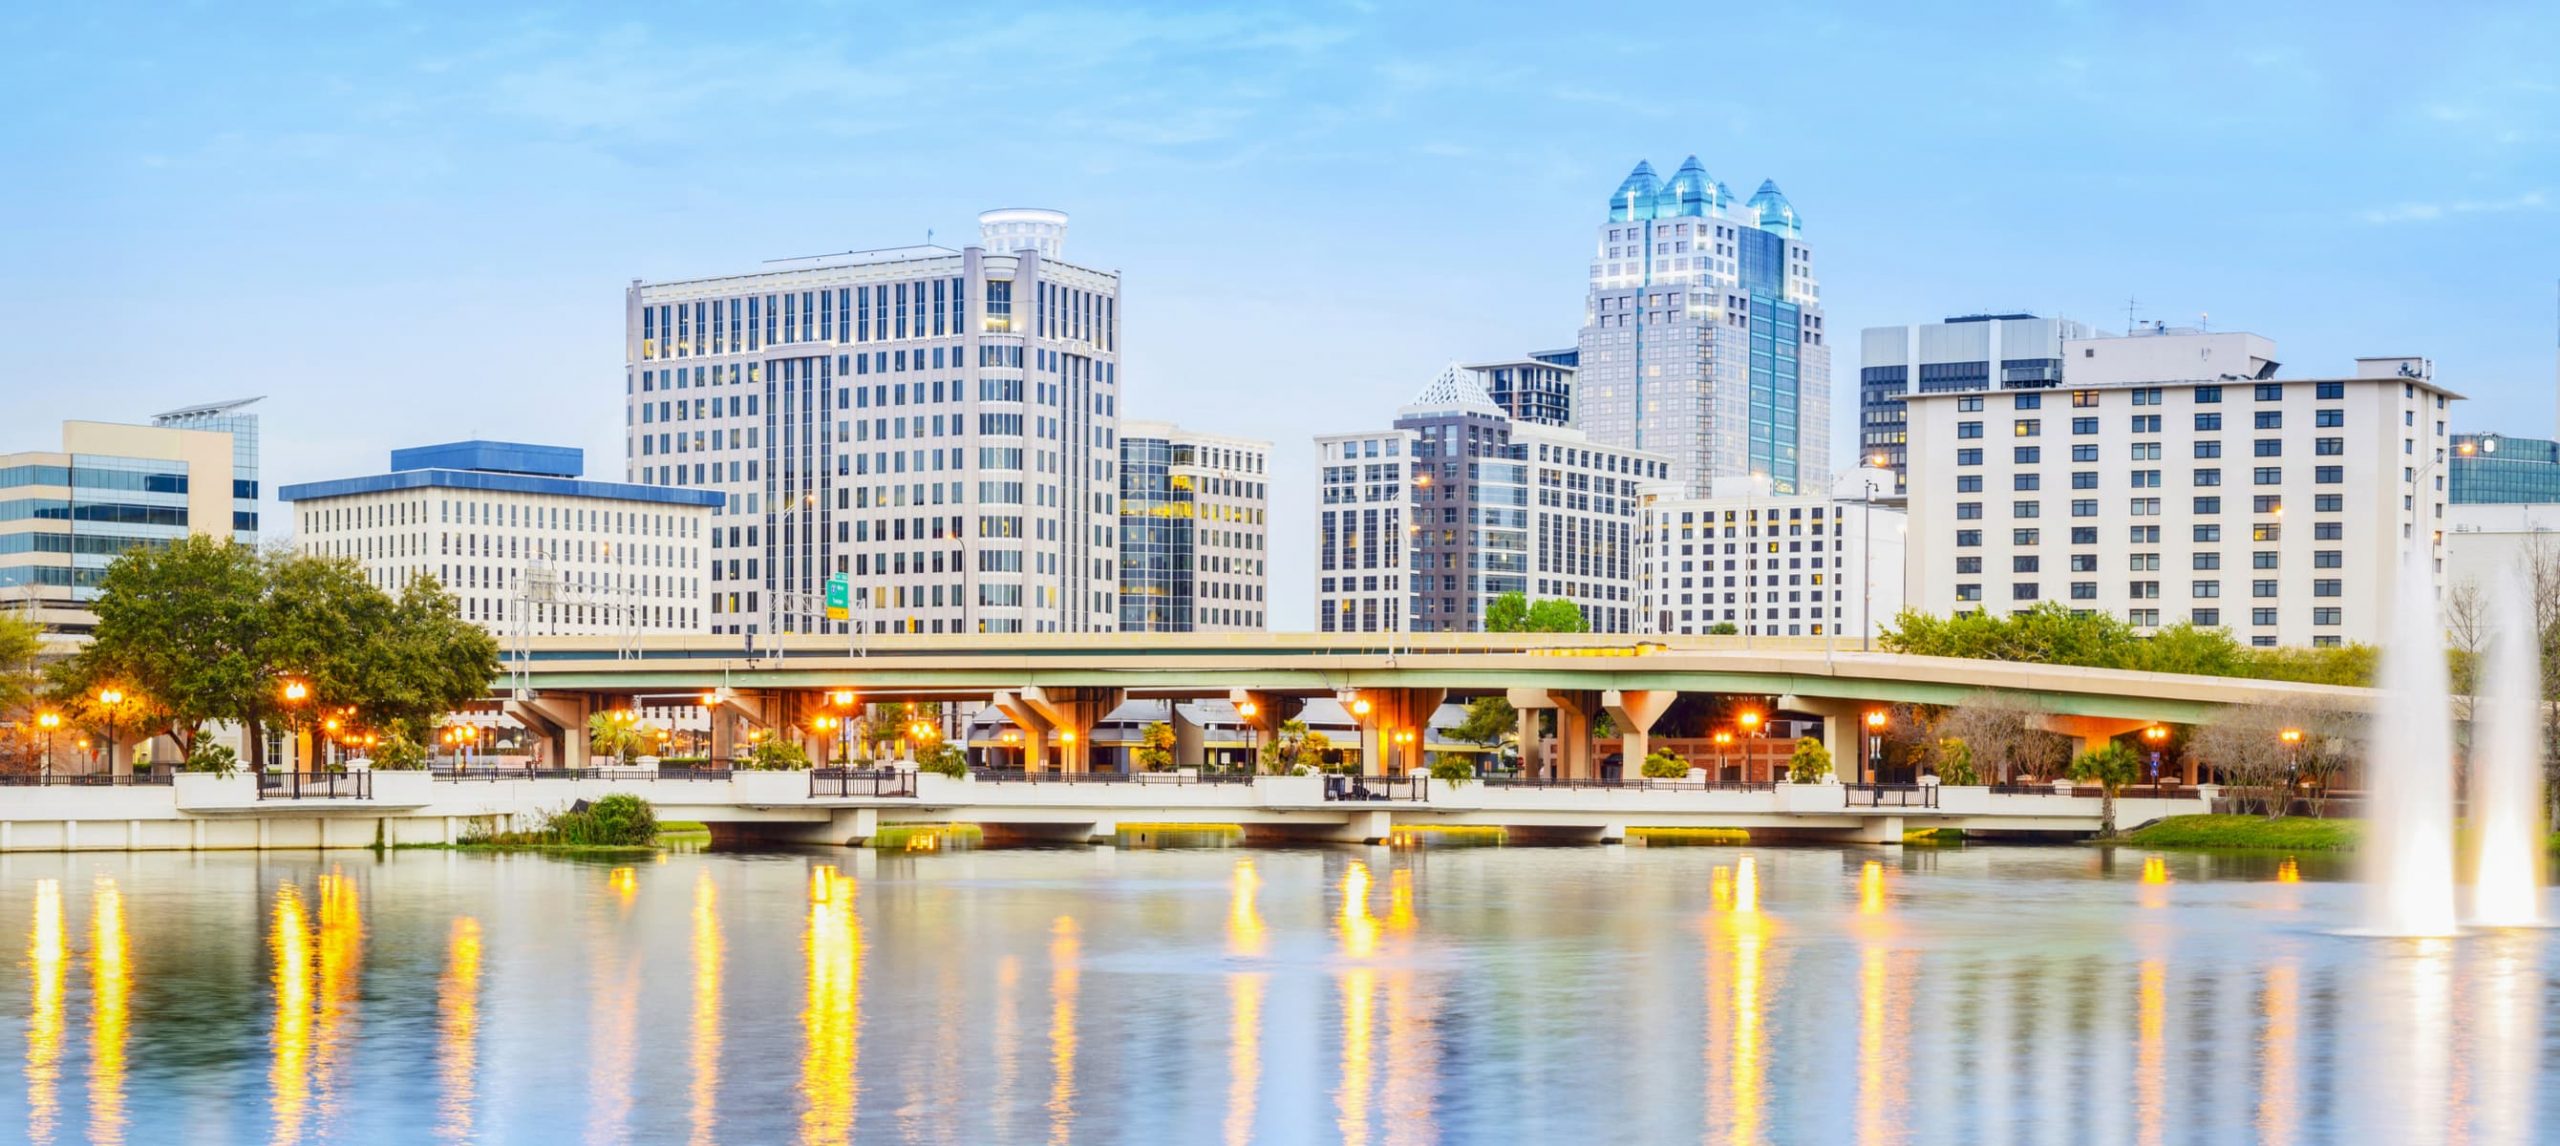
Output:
x=1746 y=887
x=1245 y=932
x=289 y=1075
x=1358 y=929
x=110 y=990
x=2288 y=871
x=1005 y=1038
x=458 y=1029
x=2155 y=869
x=1412 y=1064
x=1871 y=889
x=625 y=883
x=831 y=1022
x=1750 y=943
x=1244 y=1054
x=2151 y=1014
x=2279 y=1036
x=707 y=954
x=341 y=980
x=1065 y=948
x=45 y=957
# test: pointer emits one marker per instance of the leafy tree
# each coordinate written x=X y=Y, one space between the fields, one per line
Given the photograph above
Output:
x=1811 y=762
x=1509 y=613
x=2005 y=736
x=2110 y=766
x=398 y=753
x=946 y=759
x=178 y=633
x=218 y=759
x=1660 y=764
x=1293 y=745
x=1954 y=761
x=428 y=663
x=1155 y=747
x=1490 y=720
x=1722 y=629
x=1557 y=615
x=1452 y=767
x=2051 y=633
x=21 y=639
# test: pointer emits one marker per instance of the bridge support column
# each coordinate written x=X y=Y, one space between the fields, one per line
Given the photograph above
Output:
x=560 y=720
x=1886 y=830
x=1264 y=712
x=1074 y=712
x=1844 y=733
x=1190 y=744
x=1035 y=730
x=1394 y=726
x=1533 y=752
x=1635 y=712
x=1574 y=710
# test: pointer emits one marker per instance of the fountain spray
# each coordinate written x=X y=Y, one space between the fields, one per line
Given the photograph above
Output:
x=2408 y=849
x=2506 y=765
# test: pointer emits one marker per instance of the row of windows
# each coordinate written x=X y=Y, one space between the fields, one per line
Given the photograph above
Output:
x=2150 y=534
x=2153 y=395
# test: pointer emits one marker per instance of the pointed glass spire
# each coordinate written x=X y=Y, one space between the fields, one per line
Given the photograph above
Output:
x=1634 y=199
x=1773 y=210
x=1691 y=191
x=1457 y=388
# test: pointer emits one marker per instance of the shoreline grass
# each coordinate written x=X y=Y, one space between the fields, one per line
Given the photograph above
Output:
x=2243 y=833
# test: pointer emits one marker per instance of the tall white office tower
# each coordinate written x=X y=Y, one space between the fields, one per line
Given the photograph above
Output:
x=1702 y=336
x=939 y=426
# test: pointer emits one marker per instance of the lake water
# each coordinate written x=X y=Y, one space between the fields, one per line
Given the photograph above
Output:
x=1203 y=996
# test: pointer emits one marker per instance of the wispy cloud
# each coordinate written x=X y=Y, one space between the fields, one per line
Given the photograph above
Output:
x=2423 y=212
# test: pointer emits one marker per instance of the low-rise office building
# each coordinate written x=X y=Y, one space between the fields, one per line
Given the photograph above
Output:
x=1746 y=561
x=2498 y=469
x=67 y=514
x=1421 y=527
x=519 y=537
x=1194 y=516
x=2275 y=508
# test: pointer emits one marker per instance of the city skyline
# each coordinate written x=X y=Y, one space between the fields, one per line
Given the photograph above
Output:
x=417 y=234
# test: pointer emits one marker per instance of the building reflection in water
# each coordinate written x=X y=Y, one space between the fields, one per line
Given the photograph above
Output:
x=45 y=956
x=1065 y=950
x=707 y=955
x=1358 y=929
x=1412 y=1050
x=2507 y=1061
x=1883 y=1016
x=831 y=1022
x=1246 y=939
x=458 y=1030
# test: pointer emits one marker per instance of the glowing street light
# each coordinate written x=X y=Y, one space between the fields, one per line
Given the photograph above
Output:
x=48 y=721
x=1875 y=745
x=109 y=698
x=2155 y=736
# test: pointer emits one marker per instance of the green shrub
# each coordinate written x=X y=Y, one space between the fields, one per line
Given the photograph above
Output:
x=776 y=754
x=619 y=820
x=945 y=759
x=218 y=759
x=1453 y=767
x=1811 y=763
x=398 y=753
x=1662 y=765
x=1955 y=763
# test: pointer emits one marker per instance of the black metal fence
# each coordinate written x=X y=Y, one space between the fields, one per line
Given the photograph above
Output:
x=1178 y=779
x=315 y=785
x=1356 y=788
x=1641 y=783
x=619 y=774
x=86 y=780
x=852 y=783
x=1889 y=795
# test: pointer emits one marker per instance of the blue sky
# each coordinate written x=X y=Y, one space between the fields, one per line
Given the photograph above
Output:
x=407 y=224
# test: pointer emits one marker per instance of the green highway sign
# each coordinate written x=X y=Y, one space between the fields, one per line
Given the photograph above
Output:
x=839 y=597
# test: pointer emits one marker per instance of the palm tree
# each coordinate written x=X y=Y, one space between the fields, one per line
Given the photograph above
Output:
x=617 y=735
x=2111 y=766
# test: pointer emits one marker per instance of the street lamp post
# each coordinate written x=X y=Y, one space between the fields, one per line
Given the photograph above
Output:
x=1750 y=721
x=109 y=698
x=2155 y=736
x=1252 y=739
x=48 y=721
x=2292 y=738
x=1875 y=746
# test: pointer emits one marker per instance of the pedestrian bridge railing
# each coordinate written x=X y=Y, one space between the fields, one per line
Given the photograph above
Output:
x=1889 y=795
x=616 y=774
x=1415 y=788
x=1176 y=778
x=315 y=785
x=853 y=783
x=1639 y=784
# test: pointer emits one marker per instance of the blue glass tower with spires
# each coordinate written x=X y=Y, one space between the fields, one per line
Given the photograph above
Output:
x=1702 y=333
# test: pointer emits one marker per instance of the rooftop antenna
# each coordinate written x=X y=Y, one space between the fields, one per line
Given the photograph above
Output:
x=2132 y=307
x=2204 y=321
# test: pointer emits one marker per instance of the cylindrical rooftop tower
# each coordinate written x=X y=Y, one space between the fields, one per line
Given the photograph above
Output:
x=1009 y=229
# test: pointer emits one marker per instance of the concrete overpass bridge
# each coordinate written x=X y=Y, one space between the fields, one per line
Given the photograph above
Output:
x=1054 y=688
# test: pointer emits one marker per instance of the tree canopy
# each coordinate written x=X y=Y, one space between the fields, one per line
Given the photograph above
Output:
x=209 y=630
x=2052 y=633
x=1515 y=613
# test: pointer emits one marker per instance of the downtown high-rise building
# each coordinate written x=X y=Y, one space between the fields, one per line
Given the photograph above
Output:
x=1967 y=352
x=1702 y=336
x=1194 y=516
x=938 y=426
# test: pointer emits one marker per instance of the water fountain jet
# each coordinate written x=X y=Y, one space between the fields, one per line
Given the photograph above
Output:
x=2408 y=848
x=2506 y=765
